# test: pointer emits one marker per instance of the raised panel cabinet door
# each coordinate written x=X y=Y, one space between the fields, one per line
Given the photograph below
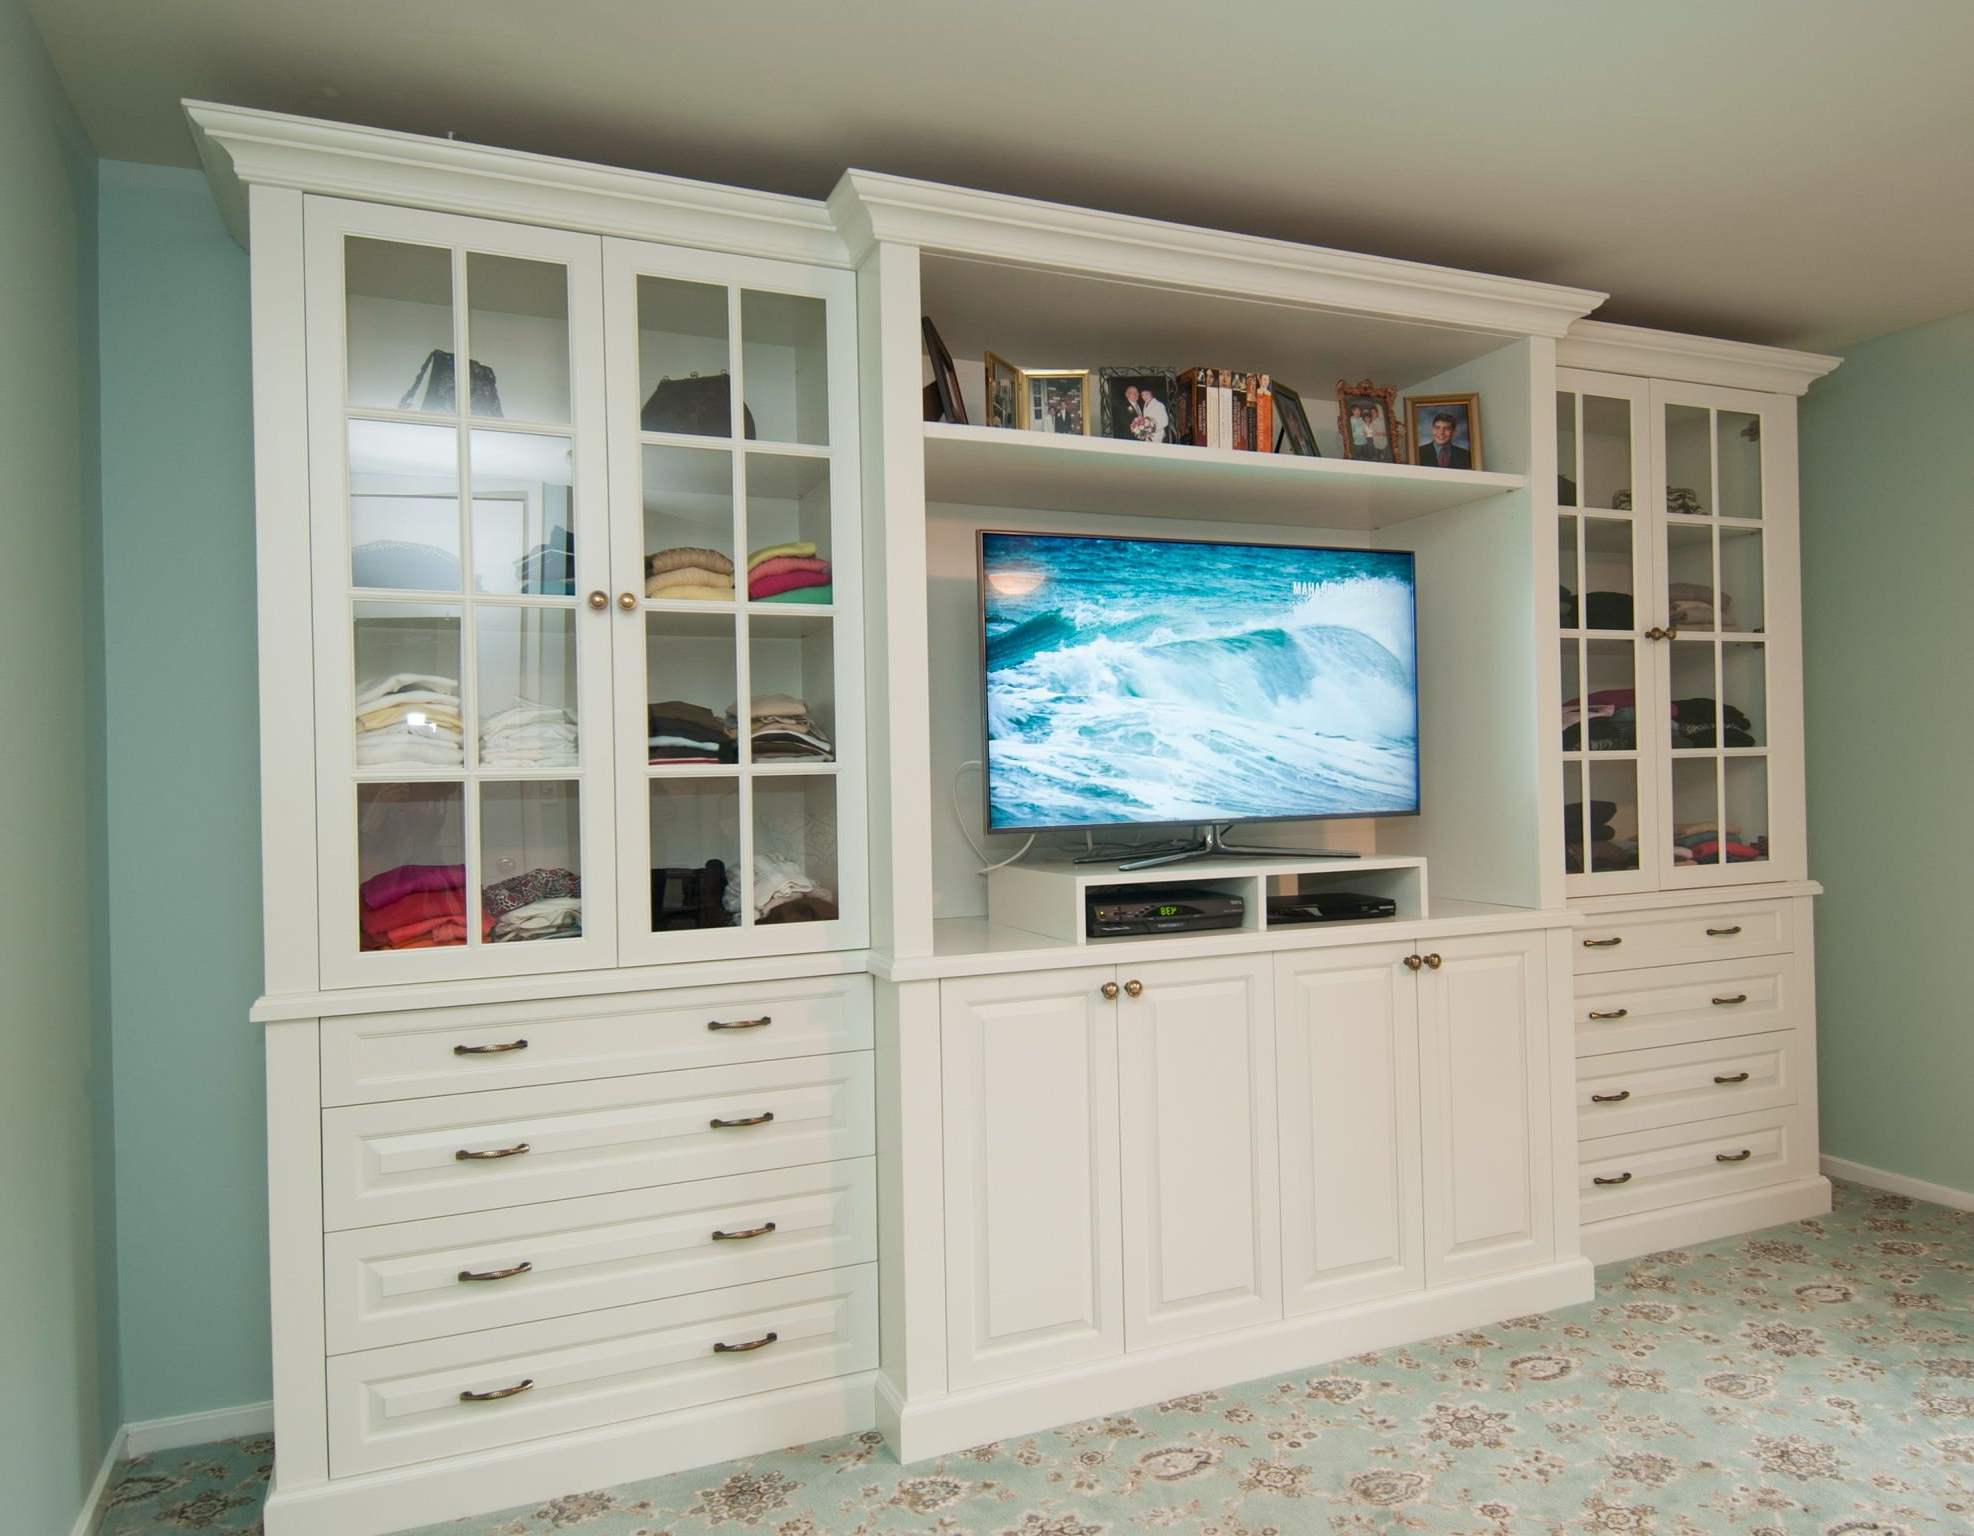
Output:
x=1485 y=1105
x=1347 y=1057
x=1033 y=1245
x=1196 y=1105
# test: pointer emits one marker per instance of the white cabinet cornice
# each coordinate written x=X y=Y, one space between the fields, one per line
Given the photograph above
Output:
x=1631 y=349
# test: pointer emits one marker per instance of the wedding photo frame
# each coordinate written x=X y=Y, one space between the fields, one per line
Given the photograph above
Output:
x=1135 y=404
x=1058 y=400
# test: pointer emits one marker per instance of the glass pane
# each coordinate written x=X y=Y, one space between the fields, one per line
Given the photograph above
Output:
x=784 y=359
x=691 y=673
x=1605 y=718
x=397 y=308
x=1695 y=714
x=1744 y=695
x=788 y=543
x=1569 y=571
x=794 y=850
x=1610 y=602
x=688 y=525
x=523 y=514
x=407 y=686
x=404 y=506
x=1743 y=576
x=1747 y=810
x=1613 y=816
x=527 y=686
x=1692 y=594
x=1607 y=472
x=1696 y=811
x=792 y=712
x=411 y=860
x=1572 y=663
x=1575 y=818
x=1739 y=437
x=684 y=371
x=517 y=322
x=1566 y=465
x=695 y=853
x=1689 y=461
x=530 y=858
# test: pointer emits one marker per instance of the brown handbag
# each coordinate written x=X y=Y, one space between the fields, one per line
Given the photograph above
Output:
x=699 y=405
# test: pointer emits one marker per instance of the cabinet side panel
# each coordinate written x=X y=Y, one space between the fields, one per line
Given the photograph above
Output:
x=294 y=1227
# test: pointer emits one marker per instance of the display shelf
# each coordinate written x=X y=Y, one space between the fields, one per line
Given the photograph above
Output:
x=993 y=467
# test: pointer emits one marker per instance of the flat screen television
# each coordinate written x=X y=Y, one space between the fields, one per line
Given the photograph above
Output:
x=1148 y=682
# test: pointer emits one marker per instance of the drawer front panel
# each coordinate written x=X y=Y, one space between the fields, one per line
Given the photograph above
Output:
x=1675 y=1084
x=404 y=1282
x=1679 y=935
x=370 y=1058
x=1672 y=1165
x=1674 y=1004
x=442 y=1157
x=392 y=1407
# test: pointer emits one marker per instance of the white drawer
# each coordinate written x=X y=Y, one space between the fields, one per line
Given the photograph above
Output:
x=408 y=1281
x=367 y=1058
x=1674 y=1164
x=1679 y=935
x=1668 y=1005
x=392 y=1407
x=481 y=1151
x=1674 y=1084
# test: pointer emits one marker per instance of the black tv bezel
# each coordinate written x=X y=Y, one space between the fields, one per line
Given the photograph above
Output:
x=980 y=536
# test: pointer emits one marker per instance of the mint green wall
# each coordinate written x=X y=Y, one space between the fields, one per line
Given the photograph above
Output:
x=1888 y=563
x=55 y=1338
x=183 y=785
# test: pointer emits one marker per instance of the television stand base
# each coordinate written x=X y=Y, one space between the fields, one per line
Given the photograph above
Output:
x=1210 y=842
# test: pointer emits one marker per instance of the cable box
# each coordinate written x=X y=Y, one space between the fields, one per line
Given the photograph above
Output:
x=1109 y=910
x=1329 y=907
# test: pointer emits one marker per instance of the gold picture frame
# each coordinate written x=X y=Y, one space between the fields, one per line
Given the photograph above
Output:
x=1006 y=392
x=1057 y=400
x=1461 y=415
x=1369 y=423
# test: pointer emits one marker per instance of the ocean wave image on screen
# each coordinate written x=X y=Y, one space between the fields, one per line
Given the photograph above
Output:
x=1160 y=682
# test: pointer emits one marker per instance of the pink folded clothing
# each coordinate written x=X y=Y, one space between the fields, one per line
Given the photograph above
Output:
x=382 y=890
x=788 y=582
x=418 y=906
x=781 y=565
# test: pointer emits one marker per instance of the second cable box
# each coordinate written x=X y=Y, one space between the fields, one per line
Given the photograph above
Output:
x=1329 y=907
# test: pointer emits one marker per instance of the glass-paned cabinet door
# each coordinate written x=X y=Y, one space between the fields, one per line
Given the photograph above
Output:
x=737 y=635
x=1605 y=601
x=1730 y=657
x=462 y=626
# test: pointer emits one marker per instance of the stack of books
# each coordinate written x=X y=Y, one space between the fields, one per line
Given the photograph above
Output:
x=1223 y=408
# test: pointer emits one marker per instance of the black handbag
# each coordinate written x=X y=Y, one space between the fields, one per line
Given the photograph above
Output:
x=435 y=384
x=700 y=404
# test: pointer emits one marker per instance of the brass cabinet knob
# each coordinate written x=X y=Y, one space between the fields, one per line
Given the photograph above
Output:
x=1413 y=962
x=1433 y=962
x=1134 y=989
x=1672 y=632
x=627 y=601
x=599 y=600
x=1109 y=990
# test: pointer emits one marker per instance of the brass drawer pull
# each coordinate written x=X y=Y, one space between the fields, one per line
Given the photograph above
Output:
x=494 y=1397
x=1623 y=1178
x=489 y=1050
x=524 y=1267
x=1611 y=1098
x=1723 y=933
x=1601 y=943
x=740 y=1349
x=761 y=1023
x=481 y=1157
x=1729 y=1002
x=761 y=1119
x=1738 y=1077
x=1615 y=1013
x=734 y=1237
x=1734 y=1157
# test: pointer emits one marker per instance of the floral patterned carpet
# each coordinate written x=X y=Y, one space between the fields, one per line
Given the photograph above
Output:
x=1812 y=1380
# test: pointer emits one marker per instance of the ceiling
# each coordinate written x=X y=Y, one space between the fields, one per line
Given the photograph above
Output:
x=1793 y=172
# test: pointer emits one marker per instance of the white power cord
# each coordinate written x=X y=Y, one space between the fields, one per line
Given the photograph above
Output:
x=987 y=868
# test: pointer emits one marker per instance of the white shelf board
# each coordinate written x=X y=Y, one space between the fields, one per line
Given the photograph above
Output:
x=996 y=467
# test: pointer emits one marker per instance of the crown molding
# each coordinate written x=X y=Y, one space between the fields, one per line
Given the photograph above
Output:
x=1607 y=348
x=870 y=208
x=242 y=147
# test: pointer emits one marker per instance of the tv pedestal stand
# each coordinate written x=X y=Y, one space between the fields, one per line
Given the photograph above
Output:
x=1210 y=842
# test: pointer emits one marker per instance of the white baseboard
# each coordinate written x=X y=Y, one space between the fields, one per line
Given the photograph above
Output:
x=198 y=1428
x=91 y=1517
x=1898 y=1183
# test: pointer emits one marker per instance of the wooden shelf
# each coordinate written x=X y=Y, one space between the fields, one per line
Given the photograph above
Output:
x=993 y=467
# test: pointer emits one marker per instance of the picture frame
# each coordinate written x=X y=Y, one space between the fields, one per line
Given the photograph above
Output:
x=1007 y=390
x=1293 y=434
x=1135 y=404
x=1459 y=415
x=1369 y=423
x=1057 y=400
x=942 y=395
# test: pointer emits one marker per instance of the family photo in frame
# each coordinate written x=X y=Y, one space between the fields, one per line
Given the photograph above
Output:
x=1137 y=403
x=1059 y=401
x=1368 y=422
